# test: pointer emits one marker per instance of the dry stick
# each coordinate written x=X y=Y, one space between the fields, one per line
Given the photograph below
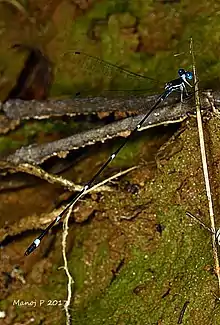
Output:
x=37 y=222
x=50 y=178
x=96 y=187
x=39 y=172
x=205 y=167
x=64 y=239
x=69 y=277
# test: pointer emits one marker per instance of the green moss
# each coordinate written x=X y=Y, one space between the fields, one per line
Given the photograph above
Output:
x=177 y=262
x=154 y=284
x=159 y=32
x=155 y=60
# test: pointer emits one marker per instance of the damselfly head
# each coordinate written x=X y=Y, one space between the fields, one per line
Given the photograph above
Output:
x=185 y=74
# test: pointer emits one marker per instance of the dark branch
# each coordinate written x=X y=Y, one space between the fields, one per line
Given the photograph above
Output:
x=37 y=154
x=17 y=110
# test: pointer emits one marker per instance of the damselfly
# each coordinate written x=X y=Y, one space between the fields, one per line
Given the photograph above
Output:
x=180 y=84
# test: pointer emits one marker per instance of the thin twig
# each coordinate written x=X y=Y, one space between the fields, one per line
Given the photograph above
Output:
x=69 y=277
x=38 y=222
x=205 y=168
x=100 y=185
x=53 y=179
x=64 y=239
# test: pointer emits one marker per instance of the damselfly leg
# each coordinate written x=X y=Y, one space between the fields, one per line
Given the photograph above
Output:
x=217 y=232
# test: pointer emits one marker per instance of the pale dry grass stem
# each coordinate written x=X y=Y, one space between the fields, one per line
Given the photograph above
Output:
x=205 y=168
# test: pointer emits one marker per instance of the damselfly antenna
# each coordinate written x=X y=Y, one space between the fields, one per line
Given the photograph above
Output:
x=174 y=85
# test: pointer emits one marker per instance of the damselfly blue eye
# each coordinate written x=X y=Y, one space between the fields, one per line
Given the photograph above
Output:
x=189 y=75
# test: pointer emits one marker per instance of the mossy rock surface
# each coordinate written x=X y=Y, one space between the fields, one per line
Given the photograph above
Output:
x=159 y=272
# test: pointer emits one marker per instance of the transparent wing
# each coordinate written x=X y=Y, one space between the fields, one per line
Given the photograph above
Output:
x=106 y=79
